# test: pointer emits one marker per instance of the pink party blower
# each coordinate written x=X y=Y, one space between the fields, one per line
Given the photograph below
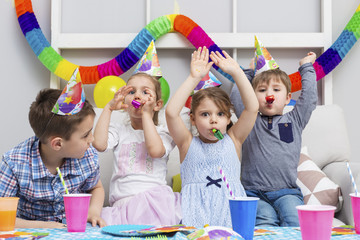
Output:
x=76 y=211
x=136 y=104
x=316 y=221
x=355 y=204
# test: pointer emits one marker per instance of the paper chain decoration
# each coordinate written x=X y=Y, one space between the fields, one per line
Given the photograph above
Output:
x=323 y=65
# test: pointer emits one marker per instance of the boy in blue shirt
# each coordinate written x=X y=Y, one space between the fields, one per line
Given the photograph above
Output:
x=271 y=152
x=28 y=171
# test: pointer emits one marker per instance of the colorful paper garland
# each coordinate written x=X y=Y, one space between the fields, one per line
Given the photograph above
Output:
x=323 y=65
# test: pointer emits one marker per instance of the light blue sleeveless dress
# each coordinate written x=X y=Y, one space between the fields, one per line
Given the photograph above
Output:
x=204 y=195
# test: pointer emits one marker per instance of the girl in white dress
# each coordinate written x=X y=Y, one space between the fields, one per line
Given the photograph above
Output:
x=138 y=190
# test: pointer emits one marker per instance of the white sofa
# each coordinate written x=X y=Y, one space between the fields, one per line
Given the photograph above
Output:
x=325 y=137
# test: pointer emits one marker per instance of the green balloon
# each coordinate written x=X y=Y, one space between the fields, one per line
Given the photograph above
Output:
x=165 y=90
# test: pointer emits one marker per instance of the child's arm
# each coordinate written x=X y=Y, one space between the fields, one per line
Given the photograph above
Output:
x=153 y=142
x=241 y=129
x=235 y=97
x=22 y=223
x=102 y=126
x=310 y=58
x=199 y=67
x=96 y=204
x=308 y=98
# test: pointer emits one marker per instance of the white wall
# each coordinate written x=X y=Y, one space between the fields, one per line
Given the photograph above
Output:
x=24 y=75
x=346 y=76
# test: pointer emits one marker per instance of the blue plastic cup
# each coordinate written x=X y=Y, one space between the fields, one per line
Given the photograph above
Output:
x=243 y=215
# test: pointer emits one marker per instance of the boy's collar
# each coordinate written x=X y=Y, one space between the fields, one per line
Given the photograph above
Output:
x=263 y=115
x=38 y=169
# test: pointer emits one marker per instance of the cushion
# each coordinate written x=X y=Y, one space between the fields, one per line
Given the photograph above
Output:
x=316 y=187
x=323 y=147
x=176 y=183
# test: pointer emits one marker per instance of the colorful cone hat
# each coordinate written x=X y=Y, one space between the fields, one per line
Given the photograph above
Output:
x=72 y=97
x=208 y=81
x=149 y=63
x=263 y=60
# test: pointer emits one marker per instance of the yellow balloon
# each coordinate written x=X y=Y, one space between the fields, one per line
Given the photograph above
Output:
x=106 y=88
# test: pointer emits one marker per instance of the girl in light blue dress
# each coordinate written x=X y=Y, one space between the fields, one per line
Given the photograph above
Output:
x=204 y=196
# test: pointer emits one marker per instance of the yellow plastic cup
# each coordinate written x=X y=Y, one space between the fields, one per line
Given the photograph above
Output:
x=8 y=208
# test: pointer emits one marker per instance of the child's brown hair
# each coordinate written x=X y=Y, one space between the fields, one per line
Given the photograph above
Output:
x=157 y=90
x=46 y=123
x=218 y=96
x=276 y=74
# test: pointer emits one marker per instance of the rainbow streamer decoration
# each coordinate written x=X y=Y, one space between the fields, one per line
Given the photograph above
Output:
x=352 y=178
x=62 y=180
x=226 y=182
x=323 y=65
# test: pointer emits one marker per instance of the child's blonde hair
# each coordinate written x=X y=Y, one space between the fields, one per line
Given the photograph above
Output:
x=275 y=74
x=218 y=96
x=157 y=90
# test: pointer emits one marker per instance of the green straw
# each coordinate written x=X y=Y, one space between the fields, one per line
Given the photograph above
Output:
x=62 y=180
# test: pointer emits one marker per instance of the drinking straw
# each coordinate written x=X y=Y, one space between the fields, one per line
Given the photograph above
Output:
x=352 y=178
x=226 y=182
x=62 y=180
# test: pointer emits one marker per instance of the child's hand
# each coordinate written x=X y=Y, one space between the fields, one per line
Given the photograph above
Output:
x=117 y=103
x=310 y=58
x=149 y=104
x=252 y=64
x=96 y=220
x=200 y=64
x=227 y=64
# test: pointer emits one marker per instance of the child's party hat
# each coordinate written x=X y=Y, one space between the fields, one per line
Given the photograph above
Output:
x=208 y=81
x=149 y=63
x=263 y=60
x=72 y=97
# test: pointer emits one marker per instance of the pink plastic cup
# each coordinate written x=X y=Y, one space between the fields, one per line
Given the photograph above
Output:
x=76 y=211
x=355 y=203
x=315 y=221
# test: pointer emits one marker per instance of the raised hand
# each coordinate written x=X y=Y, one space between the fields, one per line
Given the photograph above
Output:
x=227 y=63
x=117 y=103
x=310 y=58
x=200 y=64
x=148 y=104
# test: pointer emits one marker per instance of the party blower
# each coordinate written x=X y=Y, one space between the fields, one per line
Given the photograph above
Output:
x=135 y=104
x=217 y=134
x=270 y=99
